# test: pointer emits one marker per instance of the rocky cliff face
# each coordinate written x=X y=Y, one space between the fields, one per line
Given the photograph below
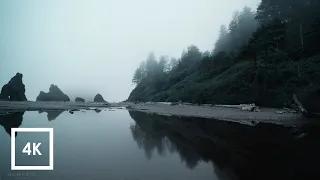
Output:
x=54 y=94
x=99 y=98
x=14 y=90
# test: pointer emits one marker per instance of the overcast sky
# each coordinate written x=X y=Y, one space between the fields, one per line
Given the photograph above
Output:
x=94 y=46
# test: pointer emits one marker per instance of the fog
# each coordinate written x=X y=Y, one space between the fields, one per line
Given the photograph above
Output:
x=89 y=47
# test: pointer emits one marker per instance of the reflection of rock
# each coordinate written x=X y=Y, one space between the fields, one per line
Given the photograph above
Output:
x=97 y=110
x=237 y=151
x=52 y=114
x=54 y=94
x=14 y=90
x=98 y=98
x=79 y=99
x=11 y=120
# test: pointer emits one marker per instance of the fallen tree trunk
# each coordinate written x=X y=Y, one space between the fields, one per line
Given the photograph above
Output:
x=243 y=107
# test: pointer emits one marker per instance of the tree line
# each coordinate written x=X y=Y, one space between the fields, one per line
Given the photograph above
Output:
x=274 y=48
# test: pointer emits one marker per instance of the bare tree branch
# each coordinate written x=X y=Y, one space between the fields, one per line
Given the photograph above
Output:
x=301 y=36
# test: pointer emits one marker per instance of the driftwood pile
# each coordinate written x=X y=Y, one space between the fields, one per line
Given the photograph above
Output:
x=243 y=107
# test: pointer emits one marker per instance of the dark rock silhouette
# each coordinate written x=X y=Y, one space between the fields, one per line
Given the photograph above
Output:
x=14 y=90
x=52 y=115
x=79 y=99
x=99 y=98
x=263 y=151
x=54 y=94
x=11 y=120
x=97 y=110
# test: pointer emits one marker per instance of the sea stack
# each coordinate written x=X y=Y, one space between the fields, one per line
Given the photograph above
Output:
x=54 y=94
x=14 y=90
x=99 y=98
x=79 y=99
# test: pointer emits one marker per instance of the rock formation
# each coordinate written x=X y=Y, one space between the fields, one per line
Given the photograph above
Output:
x=99 y=98
x=79 y=99
x=54 y=94
x=14 y=90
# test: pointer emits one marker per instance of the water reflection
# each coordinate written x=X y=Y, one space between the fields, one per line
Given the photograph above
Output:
x=11 y=120
x=236 y=151
x=52 y=114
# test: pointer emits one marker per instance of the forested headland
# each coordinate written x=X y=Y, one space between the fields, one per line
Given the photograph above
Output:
x=263 y=56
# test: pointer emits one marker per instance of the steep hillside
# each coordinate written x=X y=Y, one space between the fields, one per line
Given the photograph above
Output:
x=261 y=58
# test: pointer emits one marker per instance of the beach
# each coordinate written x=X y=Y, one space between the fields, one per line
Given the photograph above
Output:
x=233 y=114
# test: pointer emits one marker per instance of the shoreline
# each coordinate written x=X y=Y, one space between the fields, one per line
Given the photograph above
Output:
x=232 y=114
x=12 y=106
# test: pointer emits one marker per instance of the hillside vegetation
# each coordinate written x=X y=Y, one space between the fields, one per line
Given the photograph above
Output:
x=263 y=57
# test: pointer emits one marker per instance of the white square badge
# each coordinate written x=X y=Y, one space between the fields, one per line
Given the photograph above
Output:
x=13 y=146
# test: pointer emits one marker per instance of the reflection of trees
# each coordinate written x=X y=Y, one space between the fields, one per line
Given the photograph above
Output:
x=52 y=114
x=151 y=134
x=149 y=141
x=11 y=120
x=237 y=151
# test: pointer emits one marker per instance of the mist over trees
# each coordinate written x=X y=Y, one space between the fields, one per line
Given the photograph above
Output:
x=238 y=32
x=150 y=68
x=263 y=57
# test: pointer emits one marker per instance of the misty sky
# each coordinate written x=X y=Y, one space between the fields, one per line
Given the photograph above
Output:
x=94 y=46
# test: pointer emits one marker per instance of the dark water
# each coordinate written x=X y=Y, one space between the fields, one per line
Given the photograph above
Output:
x=122 y=145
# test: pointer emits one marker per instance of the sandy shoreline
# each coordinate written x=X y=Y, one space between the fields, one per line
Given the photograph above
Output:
x=267 y=115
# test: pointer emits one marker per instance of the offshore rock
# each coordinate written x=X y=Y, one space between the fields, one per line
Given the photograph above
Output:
x=99 y=98
x=79 y=99
x=54 y=94
x=14 y=90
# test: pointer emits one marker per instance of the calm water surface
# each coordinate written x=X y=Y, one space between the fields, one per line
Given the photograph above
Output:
x=121 y=145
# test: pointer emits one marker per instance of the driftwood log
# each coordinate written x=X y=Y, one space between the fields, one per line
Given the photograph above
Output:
x=243 y=107
x=299 y=105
